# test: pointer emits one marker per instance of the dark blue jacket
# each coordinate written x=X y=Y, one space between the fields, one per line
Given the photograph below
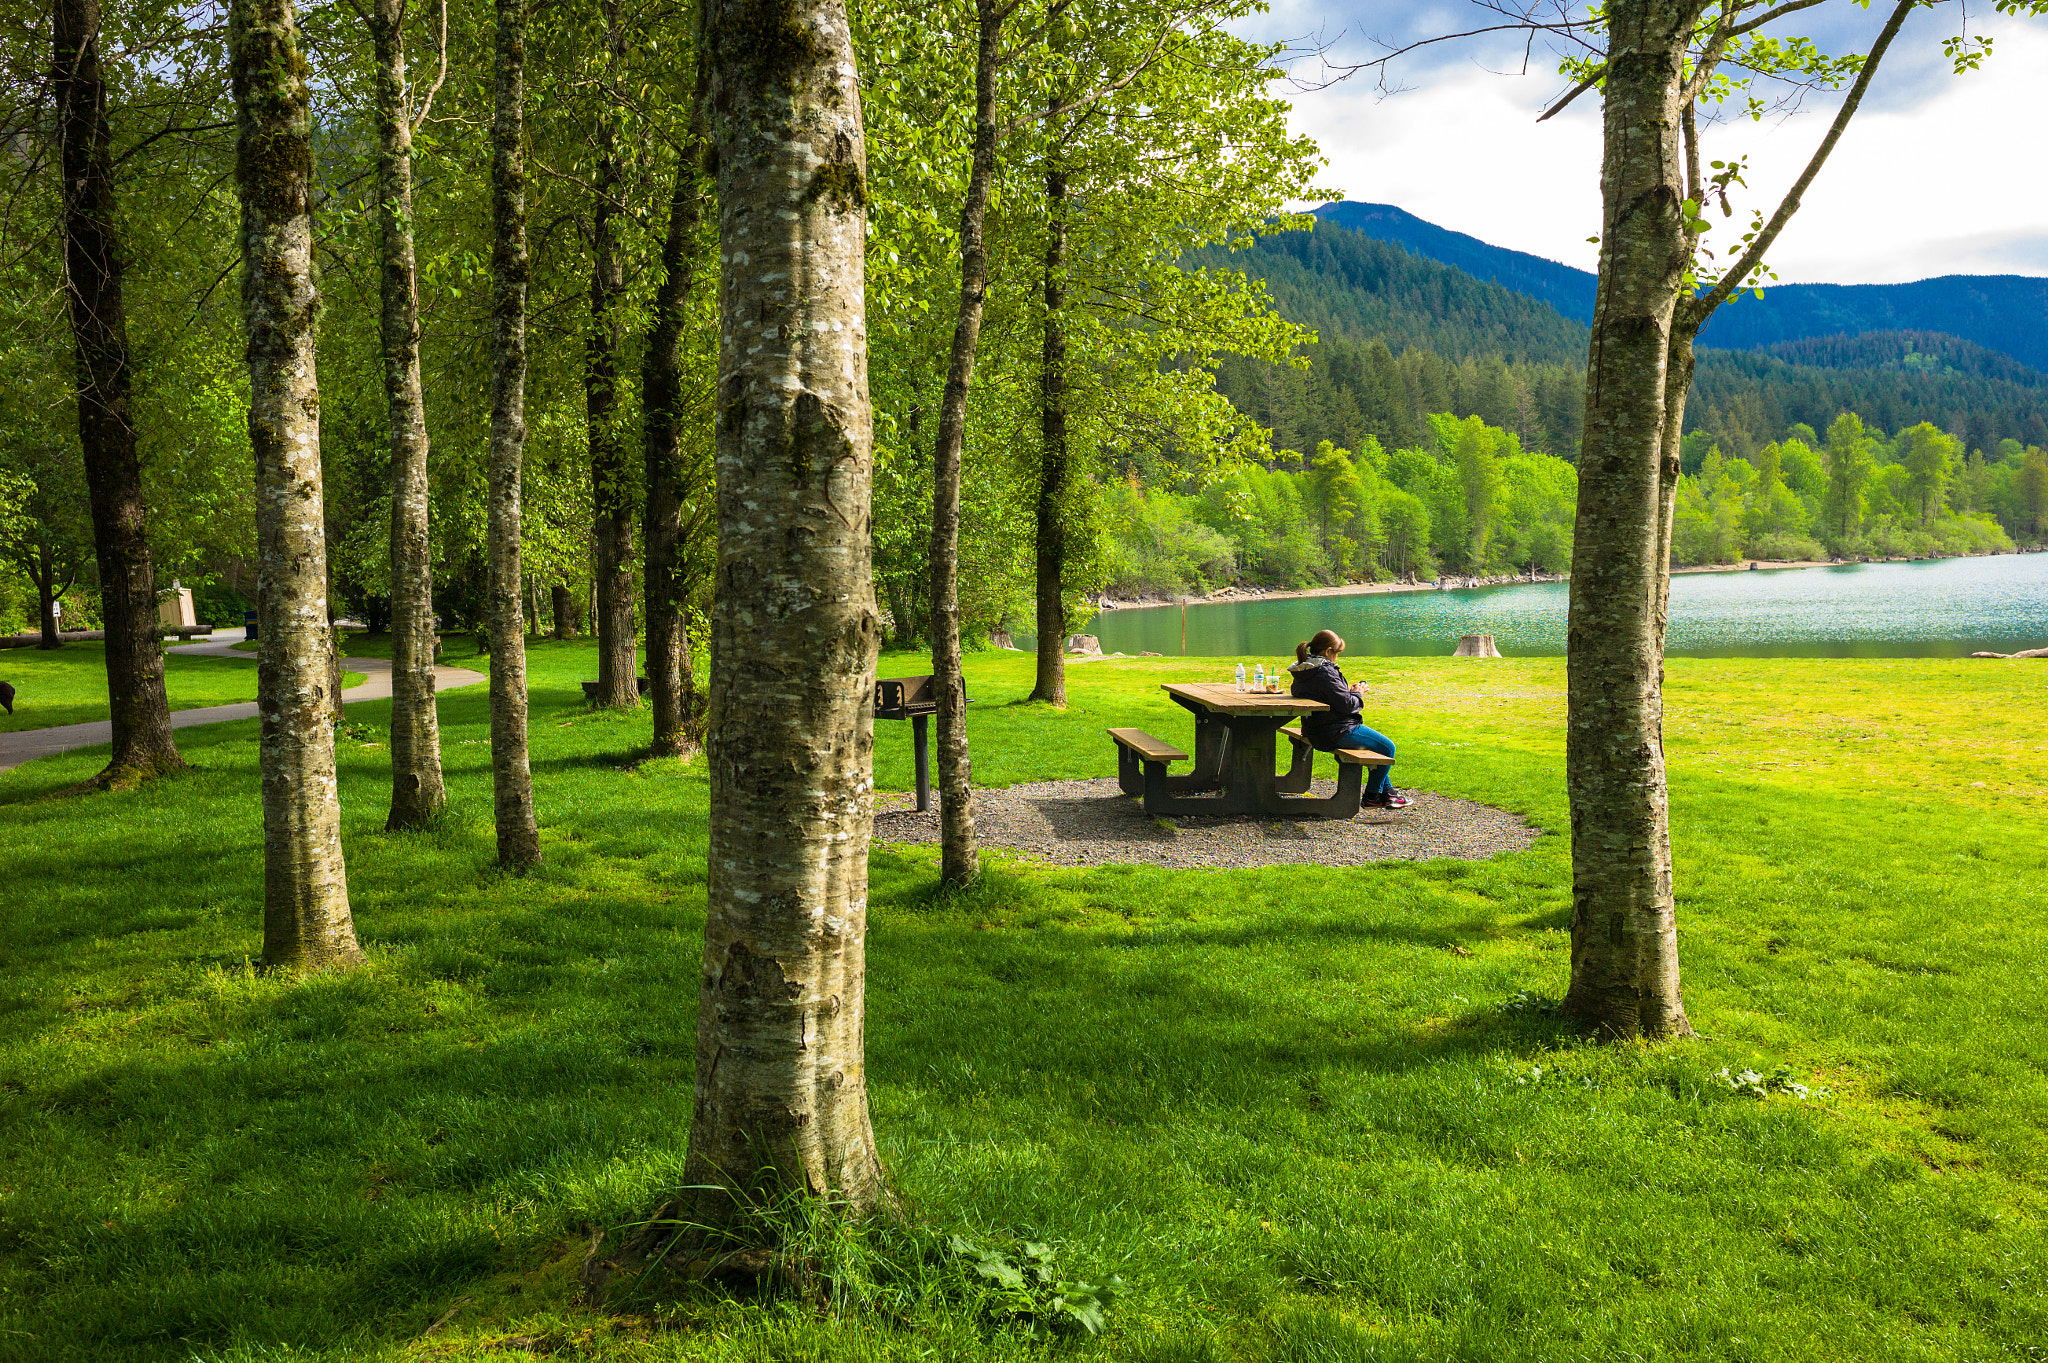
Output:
x=1320 y=679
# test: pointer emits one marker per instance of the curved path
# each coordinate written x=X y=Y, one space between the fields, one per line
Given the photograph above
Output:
x=29 y=744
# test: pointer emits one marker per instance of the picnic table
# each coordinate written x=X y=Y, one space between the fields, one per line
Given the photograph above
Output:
x=1235 y=741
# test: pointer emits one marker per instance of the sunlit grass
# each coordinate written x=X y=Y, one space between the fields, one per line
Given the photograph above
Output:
x=68 y=685
x=1307 y=1113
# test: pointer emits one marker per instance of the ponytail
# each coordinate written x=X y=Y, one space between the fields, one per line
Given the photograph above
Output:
x=1323 y=641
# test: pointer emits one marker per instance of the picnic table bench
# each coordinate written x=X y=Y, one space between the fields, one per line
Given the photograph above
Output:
x=1235 y=755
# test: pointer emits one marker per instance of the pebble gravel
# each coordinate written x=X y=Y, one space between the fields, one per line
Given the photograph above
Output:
x=1093 y=823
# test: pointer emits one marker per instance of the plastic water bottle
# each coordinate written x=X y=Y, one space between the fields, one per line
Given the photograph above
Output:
x=1240 y=676
x=1258 y=676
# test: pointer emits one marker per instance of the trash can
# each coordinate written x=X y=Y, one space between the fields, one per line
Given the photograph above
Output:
x=248 y=624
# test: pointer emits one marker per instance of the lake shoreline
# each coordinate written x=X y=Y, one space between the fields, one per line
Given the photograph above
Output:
x=1224 y=595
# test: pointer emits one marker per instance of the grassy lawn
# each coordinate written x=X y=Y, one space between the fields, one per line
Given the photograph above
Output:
x=69 y=685
x=1307 y=1114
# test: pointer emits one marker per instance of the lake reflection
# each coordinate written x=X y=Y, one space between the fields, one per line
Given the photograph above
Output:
x=1875 y=610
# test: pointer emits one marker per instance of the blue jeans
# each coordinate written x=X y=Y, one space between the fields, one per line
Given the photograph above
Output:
x=1378 y=780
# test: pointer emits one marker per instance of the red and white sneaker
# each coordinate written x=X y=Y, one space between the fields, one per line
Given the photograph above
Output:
x=1393 y=799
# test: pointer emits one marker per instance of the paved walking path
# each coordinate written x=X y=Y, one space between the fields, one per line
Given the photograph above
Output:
x=29 y=744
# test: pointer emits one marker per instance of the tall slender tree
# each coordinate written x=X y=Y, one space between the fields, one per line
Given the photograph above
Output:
x=1661 y=57
x=611 y=491
x=137 y=703
x=665 y=522
x=781 y=1089
x=417 y=791
x=1054 y=461
x=959 y=857
x=511 y=772
x=306 y=922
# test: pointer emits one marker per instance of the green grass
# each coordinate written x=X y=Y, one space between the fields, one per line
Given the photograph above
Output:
x=1308 y=1114
x=69 y=685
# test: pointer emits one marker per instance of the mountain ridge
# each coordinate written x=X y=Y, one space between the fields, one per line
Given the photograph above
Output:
x=2004 y=313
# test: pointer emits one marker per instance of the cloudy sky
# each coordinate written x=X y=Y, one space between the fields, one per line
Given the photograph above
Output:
x=1938 y=173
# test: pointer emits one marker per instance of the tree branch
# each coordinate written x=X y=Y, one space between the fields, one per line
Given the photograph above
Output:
x=427 y=105
x=1767 y=16
x=1751 y=258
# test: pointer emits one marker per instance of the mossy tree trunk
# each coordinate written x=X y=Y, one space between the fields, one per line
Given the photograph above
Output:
x=781 y=1089
x=511 y=771
x=137 y=703
x=417 y=790
x=611 y=490
x=959 y=856
x=665 y=523
x=1051 y=510
x=1625 y=967
x=306 y=923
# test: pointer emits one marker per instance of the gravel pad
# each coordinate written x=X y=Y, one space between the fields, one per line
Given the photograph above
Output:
x=1093 y=823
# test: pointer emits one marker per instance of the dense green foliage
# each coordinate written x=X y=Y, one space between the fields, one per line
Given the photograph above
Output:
x=1860 y=494
x=1469 y=500
x=1305 y=1113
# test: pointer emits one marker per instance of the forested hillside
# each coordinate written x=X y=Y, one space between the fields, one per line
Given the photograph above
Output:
x=1568 y=290
x=2006 y=313
x=1403 y=337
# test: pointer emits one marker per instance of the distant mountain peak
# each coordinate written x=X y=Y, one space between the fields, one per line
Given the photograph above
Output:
x=1568 y=290
x=2004 y=313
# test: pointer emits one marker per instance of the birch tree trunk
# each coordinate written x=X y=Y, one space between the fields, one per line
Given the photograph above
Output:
x=671 y=682
x=417 y=791
x=1052 y=467
x=511 y=773
x=1624 y=936
x=959 y=858
x=781 y=1089
x=610 y=492
x=137 y=704
x=306 y=923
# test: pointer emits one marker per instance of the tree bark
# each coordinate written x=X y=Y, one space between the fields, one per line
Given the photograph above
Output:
x=1624 y=934
x=611 y=493
x=1625 y=977
x=781 y=1090
x=563 y=605
x=959 y=858
x=670 y=676
x=47 y=595
x=511 y=772
x=138 y=707
x=417 y=791
x=1052 y=467
x=306 y=922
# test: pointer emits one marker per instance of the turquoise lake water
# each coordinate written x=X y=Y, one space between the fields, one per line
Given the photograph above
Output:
x=1936 y=608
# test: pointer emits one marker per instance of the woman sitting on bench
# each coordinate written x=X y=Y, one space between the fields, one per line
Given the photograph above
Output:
x=1317 y=677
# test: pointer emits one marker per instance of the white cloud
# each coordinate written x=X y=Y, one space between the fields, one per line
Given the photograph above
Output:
x=1938 y=175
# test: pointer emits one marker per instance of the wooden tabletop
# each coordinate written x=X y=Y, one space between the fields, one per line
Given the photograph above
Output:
x=1224 y=698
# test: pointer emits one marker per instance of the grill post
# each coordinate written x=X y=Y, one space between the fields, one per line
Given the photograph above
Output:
x=918 y=727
